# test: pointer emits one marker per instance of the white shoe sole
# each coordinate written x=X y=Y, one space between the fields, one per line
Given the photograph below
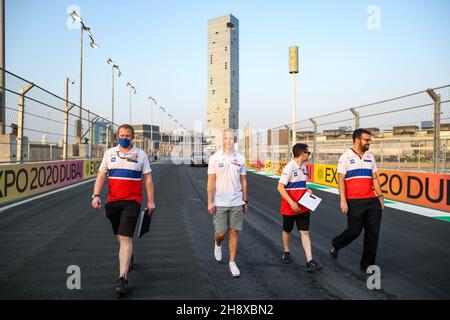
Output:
x=234 y=275
x=215 y=256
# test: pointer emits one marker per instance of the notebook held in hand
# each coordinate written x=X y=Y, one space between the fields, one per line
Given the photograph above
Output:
x=143 y=224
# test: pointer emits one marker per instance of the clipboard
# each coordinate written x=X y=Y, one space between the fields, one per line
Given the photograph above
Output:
x=310 y=201
x=143 y=225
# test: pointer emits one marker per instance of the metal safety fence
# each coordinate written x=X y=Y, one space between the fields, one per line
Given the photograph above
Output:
x=42 y=126
x=410 y=132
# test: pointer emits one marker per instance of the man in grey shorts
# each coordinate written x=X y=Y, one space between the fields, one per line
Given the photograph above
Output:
x=227 y=197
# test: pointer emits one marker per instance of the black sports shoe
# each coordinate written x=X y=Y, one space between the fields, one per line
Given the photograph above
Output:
x=132 y=265
x=312 y=266
x=286 y=257
x=122 y=286
x=334 y=252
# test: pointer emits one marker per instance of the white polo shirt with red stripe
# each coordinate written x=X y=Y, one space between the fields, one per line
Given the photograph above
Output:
x=294 y=178
x=358 y=174
x=228 y=171
x=125 y=172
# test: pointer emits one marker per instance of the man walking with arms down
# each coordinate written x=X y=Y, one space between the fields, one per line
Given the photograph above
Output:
x=125 y=165
x=227 y=197
x=292 y=186
x=361 y=198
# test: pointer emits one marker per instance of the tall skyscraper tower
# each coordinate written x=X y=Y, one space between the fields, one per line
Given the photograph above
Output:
x=223 y=73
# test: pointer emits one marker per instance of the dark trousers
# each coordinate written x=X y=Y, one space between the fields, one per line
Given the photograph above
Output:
x=362 y=214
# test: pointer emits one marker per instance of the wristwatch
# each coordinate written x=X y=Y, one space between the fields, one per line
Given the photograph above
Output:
x=246 y=201
x=380 y=196
x=95 y=196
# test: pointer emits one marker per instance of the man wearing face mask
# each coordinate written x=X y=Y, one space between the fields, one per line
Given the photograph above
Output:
x=361 y=198
x=125 y=165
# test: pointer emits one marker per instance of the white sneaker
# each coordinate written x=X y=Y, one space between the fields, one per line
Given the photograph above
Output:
x=234 y=269
x=217 y=252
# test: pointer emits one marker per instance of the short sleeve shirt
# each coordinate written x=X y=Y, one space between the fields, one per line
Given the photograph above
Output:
x=228 y=171
x=294 y=178
x=358 y=174
x=125 y=172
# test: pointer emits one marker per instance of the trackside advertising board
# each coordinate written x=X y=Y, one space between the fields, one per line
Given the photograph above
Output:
x=21 y=180
x=418 y=188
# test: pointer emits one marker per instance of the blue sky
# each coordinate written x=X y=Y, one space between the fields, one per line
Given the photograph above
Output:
x=161 y=47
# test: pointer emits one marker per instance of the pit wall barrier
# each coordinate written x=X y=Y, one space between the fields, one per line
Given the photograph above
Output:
x=22 y=180
x=418 y=188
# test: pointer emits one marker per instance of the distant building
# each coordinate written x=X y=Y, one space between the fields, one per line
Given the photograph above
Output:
x=144 y=132
x=345 y=128
x=278 y=137
x=405 y=130
x=303 y=136
x=335 y=134
x=223 y=75
x=424 y=125
x=99 y=133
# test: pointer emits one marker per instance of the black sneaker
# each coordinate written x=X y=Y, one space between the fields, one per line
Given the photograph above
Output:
x=312 y=266
x=287 y=257
x=132 y=265
x=122 y=286
x=334 y=252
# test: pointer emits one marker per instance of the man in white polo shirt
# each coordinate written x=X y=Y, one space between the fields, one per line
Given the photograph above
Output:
x=227 y=197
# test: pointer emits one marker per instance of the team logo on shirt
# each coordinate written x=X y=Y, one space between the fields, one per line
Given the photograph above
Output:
x=221 y=165
x=352 y=161
x=236 y=163
x=131 y=157
x=113 y=159
x=367 y=160
x=295 y=174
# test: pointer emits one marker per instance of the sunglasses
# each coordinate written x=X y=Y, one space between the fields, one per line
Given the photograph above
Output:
x=126 y=155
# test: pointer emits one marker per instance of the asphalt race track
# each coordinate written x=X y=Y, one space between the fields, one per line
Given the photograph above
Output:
x=42 y=238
